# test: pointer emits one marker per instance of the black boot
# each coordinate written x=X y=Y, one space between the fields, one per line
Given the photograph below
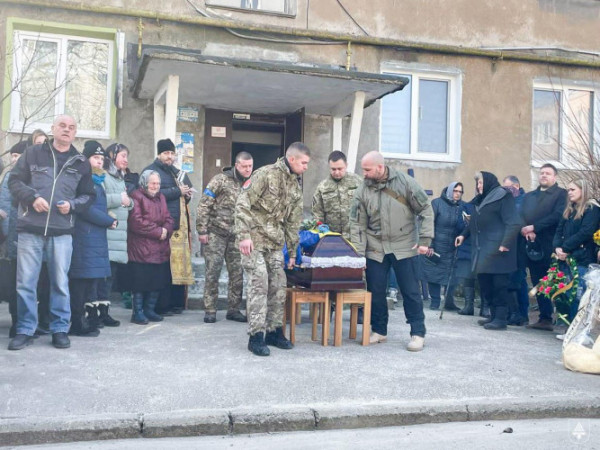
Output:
x=93 y=319
x=256 y=344
x=105 y=317
x=489 y=319
x=80 y=327
x=469 y=308
x=449 y=304
x=149 y=305
x=499 y=321
x=12 y=308
x=484 y=310
x=514 y=316
x=277 y=339
x=137 y=309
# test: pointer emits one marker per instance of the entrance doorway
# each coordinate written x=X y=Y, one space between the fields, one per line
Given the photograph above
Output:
x=264 y=136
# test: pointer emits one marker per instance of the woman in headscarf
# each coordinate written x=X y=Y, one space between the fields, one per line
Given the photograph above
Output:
x=494 y=226
x=149 y=228
x=575 y=233
x=447 y=210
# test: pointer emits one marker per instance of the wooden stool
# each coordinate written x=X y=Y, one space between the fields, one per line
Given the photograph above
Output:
x=355 y=298
x=316 y=299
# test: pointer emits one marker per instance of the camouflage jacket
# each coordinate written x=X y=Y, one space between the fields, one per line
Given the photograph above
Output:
x=217 y=204
x=332 y=200
x=380 y=224
x=269 y=208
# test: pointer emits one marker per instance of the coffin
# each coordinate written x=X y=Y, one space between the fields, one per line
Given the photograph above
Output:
x=332 y=264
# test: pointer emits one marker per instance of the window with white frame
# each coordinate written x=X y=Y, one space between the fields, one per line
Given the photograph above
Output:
x=422 y=121
x=287 y=7
x=61 y=74
x=565 y=123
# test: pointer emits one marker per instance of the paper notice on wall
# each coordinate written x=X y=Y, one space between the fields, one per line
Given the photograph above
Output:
x=184 y=147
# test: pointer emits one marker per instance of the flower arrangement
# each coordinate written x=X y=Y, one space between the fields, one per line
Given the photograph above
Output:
x=310 y=224
x=559 y=287
x=597 y=237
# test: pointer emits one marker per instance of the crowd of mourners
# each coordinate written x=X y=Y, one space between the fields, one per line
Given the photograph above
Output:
x=77 y=226
x=502 y=233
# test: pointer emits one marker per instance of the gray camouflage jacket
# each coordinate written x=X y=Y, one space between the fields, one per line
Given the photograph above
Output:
x=332 y=200
x=269 y=208
x=216 y=208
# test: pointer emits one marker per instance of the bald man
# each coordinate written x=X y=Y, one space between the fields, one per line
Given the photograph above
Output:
x=391 y=222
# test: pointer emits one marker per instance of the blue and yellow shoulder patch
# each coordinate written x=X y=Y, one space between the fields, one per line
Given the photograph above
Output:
x=210 y=193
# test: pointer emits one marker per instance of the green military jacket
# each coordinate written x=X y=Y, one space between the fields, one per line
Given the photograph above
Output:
x=380 y=224
x=332 y=200
x=269 y=208
x=217 y=204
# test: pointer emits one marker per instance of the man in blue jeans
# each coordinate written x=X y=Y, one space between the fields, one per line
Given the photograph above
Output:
x=51 y=181
x=391 y=222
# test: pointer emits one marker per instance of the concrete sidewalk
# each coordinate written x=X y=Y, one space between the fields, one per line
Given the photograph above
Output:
x=183 y=377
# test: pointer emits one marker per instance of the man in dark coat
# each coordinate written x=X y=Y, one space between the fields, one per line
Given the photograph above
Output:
x=541 y=212
x=494 y=226
x=172 y=299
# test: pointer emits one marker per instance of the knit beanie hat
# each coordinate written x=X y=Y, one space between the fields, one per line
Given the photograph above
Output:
x=91 y=148
x=165 y=145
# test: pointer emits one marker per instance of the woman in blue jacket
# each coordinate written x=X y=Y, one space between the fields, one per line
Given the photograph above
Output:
x=89 y=263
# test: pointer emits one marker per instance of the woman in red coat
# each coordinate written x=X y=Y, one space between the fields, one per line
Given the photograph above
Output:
x=149 y=228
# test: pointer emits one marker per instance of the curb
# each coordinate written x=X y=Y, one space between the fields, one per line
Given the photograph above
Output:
x=246 y=420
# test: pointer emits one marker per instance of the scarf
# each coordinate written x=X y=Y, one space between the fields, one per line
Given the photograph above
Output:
x=98 y=176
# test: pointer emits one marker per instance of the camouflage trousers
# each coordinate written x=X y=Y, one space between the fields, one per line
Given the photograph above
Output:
x=221 y=248
x=265 y=290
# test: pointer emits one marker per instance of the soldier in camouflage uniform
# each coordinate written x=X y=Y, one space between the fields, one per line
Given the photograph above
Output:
x=333 y=197
x=215 y=230
x=267 y=216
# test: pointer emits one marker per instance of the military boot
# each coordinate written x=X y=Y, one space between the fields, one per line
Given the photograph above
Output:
x=149 y=305
x=137 y=311
x=256 y=344
x=277 y=339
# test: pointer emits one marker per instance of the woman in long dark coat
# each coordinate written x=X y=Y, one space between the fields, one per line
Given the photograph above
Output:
x=447 y=210
x=494 y=227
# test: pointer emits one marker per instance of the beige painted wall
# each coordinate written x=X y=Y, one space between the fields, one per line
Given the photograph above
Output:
x=496 y=95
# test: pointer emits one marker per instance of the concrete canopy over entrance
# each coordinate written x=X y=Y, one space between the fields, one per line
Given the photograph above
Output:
x=260 y=87
x=173 y=76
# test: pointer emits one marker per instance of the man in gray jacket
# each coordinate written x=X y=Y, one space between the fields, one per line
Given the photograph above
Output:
x=391 y=221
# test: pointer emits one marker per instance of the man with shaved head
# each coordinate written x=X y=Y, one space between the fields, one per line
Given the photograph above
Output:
x=391 y=222
x=51 y=182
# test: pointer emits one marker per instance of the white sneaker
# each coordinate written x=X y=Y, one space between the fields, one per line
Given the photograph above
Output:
x=416 y=344
x=377 y=338
x=560 y=337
